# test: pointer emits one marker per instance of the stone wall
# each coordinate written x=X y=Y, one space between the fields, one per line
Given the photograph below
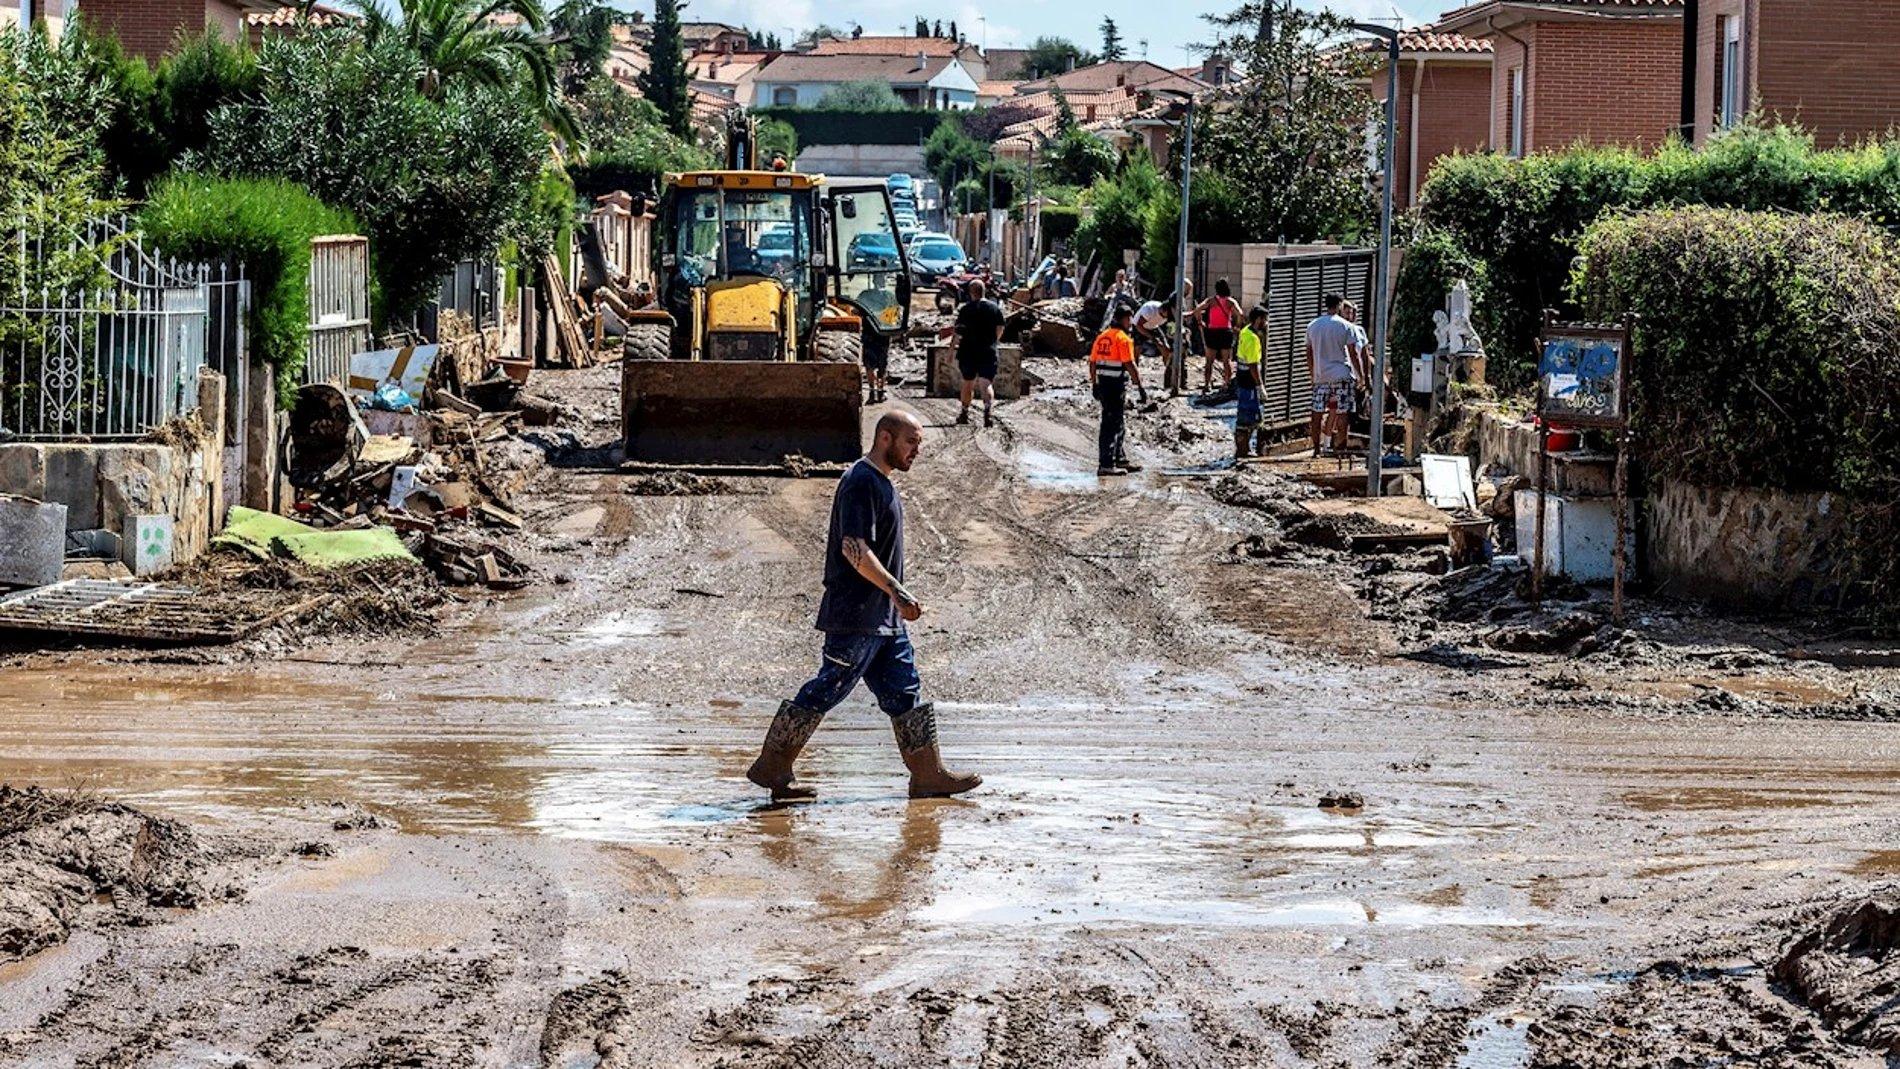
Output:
x=1740 y=546
x=1745 y=547
x=105 y=484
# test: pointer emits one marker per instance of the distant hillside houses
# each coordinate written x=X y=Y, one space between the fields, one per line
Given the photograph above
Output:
x=920 y=80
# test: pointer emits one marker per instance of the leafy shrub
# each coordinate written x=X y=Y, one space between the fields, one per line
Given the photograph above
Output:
x=434 y=179
x=1434 y=262
x=1059 y=223
x=1078 y=158
x=1219 y=214
x=204 y=74
x=1767 y=353
x=264 y=224
x=861 y=96
x=1522 y=217
x=1117 y=211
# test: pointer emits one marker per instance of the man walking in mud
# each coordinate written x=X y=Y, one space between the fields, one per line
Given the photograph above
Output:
x=862 y=614
x=979 y=330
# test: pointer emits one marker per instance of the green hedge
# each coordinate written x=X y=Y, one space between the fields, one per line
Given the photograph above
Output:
x=1767 y=354
x=816 y=126
x=1434 y=263
x=1059 y=223
x=264 y=224
x=1521 y=217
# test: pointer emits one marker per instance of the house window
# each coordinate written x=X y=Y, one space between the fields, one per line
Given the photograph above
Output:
x=1730 y=103
x=1514 y=113
x=784 y=96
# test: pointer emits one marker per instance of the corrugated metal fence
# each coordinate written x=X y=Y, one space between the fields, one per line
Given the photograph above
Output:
x=1294 y=291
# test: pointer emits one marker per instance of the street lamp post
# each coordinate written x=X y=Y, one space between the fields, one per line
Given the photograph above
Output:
x=1177 y=370
x=1381 y=329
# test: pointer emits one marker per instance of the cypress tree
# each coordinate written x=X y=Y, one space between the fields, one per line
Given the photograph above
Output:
x=665 y=82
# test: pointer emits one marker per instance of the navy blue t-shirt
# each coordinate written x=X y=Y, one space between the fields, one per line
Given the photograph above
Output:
x=867 y=507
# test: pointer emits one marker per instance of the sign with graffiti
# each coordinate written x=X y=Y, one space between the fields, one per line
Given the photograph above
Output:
x=1583 y=374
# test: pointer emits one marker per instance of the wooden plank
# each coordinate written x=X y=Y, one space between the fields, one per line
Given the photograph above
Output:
x=572 y=344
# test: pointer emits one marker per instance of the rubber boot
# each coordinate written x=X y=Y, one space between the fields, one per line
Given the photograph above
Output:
x=917 y=741
x=791 y=729
x=1243 y=437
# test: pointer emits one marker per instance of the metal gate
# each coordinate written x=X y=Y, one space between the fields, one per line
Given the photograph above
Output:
x=1297 y=286
x=339 y=306
x=103 y=339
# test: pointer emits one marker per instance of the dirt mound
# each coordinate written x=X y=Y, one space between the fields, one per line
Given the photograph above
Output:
x=1336 y=532
x=1846 y=971
x=1277 y=497
x=60 y=851
x=678 y=484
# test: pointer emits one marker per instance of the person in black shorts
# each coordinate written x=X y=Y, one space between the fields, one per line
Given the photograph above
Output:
x=877 y=358
x=979 y=329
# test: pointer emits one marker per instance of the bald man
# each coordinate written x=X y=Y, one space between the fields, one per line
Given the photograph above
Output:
x=862 y=615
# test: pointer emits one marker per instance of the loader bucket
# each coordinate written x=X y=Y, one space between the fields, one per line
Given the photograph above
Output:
x=740 y=411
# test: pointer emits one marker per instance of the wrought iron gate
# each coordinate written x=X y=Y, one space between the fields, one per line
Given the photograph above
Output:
x=100 y=338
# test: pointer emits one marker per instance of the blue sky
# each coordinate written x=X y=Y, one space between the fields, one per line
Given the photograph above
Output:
x=1169 y=29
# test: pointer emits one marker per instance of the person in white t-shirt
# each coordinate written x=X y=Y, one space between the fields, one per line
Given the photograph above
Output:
x=1333 y=345
x=1150 y=321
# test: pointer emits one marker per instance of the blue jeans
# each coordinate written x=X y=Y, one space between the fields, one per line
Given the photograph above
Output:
x=885 y=663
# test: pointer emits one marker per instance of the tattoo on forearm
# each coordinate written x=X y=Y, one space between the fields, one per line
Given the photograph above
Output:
x=855 y=551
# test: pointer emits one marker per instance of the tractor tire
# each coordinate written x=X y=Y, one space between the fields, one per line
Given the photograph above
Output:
x=649 y=340
x=838 y=347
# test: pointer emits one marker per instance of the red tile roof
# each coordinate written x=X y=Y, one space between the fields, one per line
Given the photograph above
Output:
x=1132 y=74
x=1470 y=13
x=288 y=16
x=887 y=46
x=1428 y=39
x=897 y=70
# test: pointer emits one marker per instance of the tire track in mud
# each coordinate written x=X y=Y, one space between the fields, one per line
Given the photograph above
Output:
x=275 y=997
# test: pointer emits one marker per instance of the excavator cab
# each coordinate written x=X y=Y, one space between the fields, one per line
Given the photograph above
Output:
x=769 y=284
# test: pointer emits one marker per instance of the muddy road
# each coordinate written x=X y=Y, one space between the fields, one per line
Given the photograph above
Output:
x=526 y=839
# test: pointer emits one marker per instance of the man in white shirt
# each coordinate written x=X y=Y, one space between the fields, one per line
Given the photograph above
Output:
x=1149 y=321
x=1332 y=343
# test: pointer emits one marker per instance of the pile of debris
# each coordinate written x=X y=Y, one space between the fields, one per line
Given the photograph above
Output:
x=1062 y=326
x=423 y=474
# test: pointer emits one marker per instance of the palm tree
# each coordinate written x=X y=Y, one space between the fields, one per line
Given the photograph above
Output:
x=494 y=43
x=489 y=42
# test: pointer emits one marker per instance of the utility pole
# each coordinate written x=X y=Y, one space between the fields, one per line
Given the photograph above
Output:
x=1375 y=452
x=1177 y=368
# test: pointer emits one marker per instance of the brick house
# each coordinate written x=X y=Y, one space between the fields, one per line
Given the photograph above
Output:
x=1444 y=102
x=1833 y=66
x=1600 y=72
x=149 y=28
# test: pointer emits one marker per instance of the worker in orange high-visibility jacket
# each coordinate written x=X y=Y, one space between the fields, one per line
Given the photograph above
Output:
x=1111 y=368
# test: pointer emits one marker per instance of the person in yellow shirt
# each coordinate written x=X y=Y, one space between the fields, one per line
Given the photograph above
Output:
x=1111 y=367
x=1247 y=382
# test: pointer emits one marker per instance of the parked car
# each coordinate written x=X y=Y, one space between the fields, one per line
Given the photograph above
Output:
x=933 y=256
x=872 y=250
x=775 y=250
x=905 y=234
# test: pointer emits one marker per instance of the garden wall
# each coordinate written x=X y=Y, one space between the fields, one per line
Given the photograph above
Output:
x=105 y=484
x=1749 y=548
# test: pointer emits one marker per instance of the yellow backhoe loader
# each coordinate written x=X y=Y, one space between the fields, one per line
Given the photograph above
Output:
x=768 y=286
